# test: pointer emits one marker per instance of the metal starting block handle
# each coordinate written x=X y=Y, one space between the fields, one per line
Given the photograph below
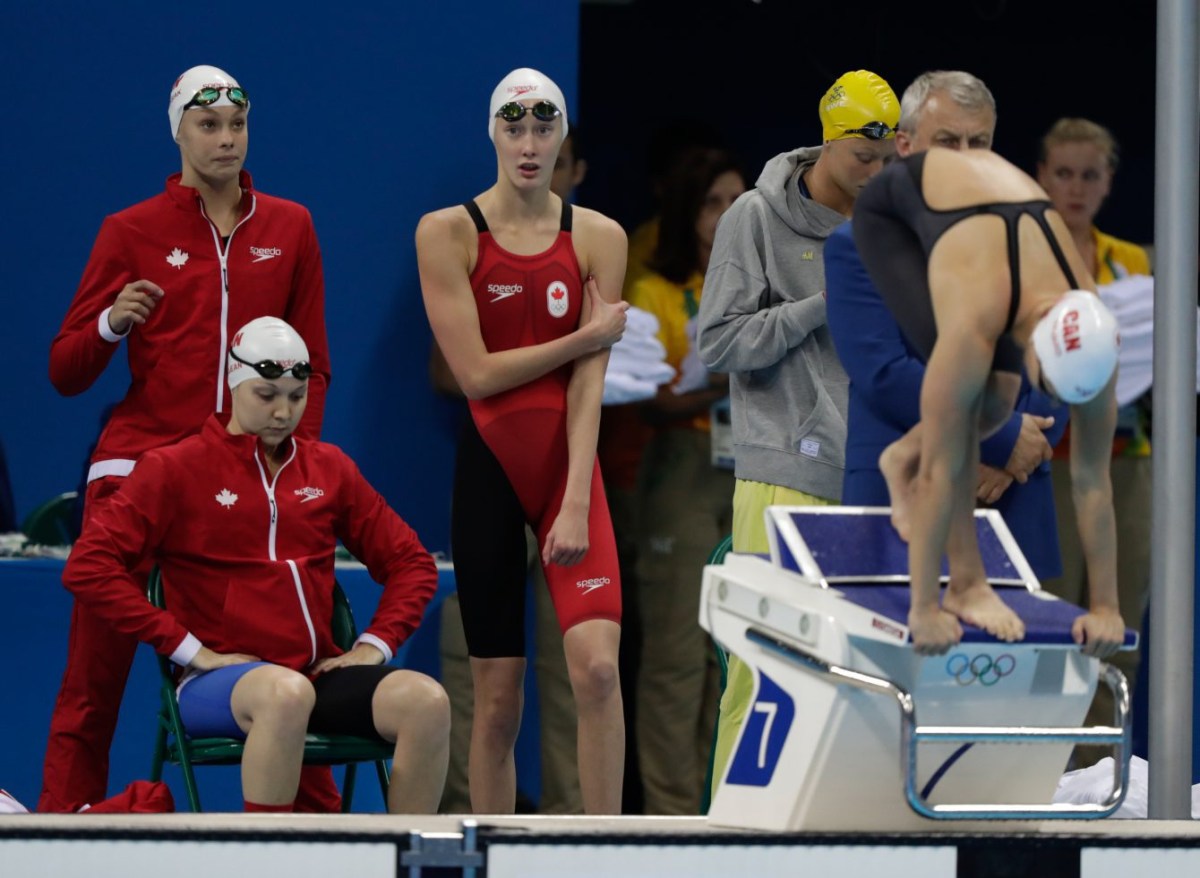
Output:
x=912 y=736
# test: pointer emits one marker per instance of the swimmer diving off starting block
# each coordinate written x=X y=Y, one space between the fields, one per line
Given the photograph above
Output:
x=832 y=740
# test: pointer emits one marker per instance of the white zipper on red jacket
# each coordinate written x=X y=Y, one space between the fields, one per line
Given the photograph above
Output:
x=269 y=487
x=223 y=256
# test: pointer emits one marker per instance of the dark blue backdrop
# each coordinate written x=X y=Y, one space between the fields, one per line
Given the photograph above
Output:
x=368 y=116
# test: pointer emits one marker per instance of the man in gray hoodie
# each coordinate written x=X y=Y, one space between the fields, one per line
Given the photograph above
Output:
x=762 y=319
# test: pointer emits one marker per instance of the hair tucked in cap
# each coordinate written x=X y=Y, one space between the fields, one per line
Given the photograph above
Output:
x=523 y=84
x=855 y=100
x=264 y=338
x=191 y=81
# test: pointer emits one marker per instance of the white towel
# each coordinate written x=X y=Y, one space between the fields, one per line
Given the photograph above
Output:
x=1131 y=300
x=621 y=388
x=1091 y=786
x=637 y=363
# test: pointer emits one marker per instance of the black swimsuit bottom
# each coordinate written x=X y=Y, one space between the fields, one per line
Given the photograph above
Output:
x=895 y=230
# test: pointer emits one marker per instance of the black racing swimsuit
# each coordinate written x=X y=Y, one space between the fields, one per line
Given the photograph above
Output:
x=895 y=230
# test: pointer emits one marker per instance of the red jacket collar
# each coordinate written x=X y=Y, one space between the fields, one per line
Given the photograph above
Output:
x=187 y=197
x=216 y=430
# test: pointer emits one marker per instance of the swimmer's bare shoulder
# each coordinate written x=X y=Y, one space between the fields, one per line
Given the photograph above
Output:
x=601 y=245
x=446 y=235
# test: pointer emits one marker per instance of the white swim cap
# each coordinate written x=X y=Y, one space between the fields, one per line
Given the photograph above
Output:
x=1076 y=343
x=523 y=84
x=267 y=343
x=190 y=82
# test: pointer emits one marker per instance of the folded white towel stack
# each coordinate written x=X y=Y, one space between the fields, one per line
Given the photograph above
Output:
x=637 y=363
x=1131 y=299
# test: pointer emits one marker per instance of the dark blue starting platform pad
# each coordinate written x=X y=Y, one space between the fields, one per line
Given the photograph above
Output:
x=863 y=545
x=1047 y=619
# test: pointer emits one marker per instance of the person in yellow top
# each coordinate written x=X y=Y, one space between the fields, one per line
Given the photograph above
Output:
x=1077 y=161
x=685 y=502
x=667 y=145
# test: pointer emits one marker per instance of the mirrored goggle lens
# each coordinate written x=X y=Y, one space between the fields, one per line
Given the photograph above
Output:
x=207 y=96
x=514 y=112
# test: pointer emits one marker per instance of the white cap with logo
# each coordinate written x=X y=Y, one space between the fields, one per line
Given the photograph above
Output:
x=264 y=338
x=189 y=84
x=522 y=84
x=1077 y=342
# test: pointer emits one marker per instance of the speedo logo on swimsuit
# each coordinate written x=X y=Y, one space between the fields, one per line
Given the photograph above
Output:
x=588 y=585
x=309 y=493
x=503 y=291
x=264 y=253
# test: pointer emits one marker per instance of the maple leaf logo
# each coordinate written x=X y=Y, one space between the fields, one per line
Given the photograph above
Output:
x=226 y=498
x=177 y=258
x=556 y=299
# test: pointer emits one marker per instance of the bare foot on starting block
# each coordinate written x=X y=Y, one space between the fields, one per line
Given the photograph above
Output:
x=979 y=605
x=934 y=631
x=898 y=470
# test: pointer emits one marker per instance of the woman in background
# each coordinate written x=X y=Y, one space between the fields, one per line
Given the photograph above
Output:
x=686 y=504
x=1077 y=161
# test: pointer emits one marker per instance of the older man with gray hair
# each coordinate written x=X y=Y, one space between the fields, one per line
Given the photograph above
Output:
x=954 y=110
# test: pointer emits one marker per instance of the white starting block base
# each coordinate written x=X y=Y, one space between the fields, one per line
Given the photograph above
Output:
x=826 y=747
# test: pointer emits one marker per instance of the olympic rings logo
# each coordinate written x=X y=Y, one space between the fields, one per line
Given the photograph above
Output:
x=987 y=670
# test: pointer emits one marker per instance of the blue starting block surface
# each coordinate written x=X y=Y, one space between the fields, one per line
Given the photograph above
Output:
x=1047 y=619
x=857 y=551
x=836 y=544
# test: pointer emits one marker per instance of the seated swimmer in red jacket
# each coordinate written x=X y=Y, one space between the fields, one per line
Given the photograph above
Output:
x=243 y=519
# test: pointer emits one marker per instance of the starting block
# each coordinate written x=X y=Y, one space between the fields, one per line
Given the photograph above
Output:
x=850 y=729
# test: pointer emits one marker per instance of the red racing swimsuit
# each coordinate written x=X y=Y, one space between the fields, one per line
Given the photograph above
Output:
x=524 y=301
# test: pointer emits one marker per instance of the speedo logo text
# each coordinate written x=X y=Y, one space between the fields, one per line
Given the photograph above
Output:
x=589 y=585
x=262 y=254
x=503 y=291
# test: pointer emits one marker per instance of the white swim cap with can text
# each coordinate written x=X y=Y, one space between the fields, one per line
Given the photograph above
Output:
x=264 y=338
x=1077 y=342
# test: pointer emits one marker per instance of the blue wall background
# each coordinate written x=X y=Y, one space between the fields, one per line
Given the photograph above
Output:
x=370 y=116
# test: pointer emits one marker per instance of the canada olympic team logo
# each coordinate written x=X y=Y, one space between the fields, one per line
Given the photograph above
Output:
x=982 y=667
x=557 y=300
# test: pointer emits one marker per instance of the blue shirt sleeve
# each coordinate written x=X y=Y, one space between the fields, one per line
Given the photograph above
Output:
x=882 y=367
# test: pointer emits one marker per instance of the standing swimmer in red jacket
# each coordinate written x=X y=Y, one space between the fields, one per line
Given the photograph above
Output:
x=172 y=276
x=243 y=519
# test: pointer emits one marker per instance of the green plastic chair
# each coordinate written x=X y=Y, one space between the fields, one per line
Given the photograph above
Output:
x=717 y=556
x=172 y=743
x=50 y=523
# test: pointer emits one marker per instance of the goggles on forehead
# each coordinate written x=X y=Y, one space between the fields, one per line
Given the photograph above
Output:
x=210 y=94
x=872 y=131
x=543 y=111
x=271 y=370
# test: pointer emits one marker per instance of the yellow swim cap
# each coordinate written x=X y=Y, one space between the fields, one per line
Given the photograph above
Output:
x=859 y=104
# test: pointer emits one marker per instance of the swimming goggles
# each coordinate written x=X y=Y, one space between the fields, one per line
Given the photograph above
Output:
x=873 y=131
x=210 y=94
x=271 y=370
x=543 y=111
